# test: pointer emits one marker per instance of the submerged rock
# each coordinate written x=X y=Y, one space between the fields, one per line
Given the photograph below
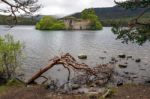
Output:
x=82 y=56
x=105 y=51
x=113 y=59
x=129 y=57
x=102 y=58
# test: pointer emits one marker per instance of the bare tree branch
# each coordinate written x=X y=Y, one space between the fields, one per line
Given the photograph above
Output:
x=18 y=7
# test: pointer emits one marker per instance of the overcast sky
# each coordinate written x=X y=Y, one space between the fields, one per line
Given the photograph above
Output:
x=65 y=7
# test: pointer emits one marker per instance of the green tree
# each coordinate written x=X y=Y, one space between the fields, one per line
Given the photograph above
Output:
x=10 y=55
x=89 y=14
x=50 y=23
x=58 y=26
x=137 y=31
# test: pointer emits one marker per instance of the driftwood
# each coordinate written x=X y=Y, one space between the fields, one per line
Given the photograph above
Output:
x=68 y=62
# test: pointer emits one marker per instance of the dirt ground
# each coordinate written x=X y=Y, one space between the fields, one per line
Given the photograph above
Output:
x=132 y=92
x=123 y=92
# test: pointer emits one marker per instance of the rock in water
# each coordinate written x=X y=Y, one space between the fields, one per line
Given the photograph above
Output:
x=82 y=56
x=122 y=66
x=138 y=60
x=122 y=56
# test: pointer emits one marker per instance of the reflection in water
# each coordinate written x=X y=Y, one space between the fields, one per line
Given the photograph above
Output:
x=44 y=45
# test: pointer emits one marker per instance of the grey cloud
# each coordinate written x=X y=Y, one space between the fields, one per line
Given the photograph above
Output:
x=64 y=7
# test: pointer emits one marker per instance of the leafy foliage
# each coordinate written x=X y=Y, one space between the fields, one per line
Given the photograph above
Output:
x=136 y=32
x=10 y=55
x=90 y=15
x=50 y=23
x=131 y=4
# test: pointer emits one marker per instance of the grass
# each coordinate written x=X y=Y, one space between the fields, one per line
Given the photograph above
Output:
x=110 y=91
x=12 y=83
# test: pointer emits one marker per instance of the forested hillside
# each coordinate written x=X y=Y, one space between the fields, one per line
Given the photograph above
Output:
x=113 y=15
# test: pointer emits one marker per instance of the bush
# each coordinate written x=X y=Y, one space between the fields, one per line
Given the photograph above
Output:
x=10 y=55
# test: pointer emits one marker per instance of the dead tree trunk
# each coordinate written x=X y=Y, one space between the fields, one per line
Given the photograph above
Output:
x=41 y=71
x=67 y=61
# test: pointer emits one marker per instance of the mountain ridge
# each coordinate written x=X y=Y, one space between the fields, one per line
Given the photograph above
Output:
x=113 y=12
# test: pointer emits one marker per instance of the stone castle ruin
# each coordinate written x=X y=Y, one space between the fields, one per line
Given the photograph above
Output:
x=77 y=24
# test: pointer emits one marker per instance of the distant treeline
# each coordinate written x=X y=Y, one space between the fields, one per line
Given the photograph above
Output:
x=6 y=20
x=117 y=15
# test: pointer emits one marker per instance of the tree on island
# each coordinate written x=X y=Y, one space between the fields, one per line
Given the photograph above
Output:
x=137 y=31
x=90 y=15
x=50 y=23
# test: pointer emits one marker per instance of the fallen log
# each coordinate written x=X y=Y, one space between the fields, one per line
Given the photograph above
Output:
x=100 y=72
x=40 y=72
x=67 y=61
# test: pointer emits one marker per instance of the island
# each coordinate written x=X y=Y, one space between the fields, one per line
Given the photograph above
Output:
x=88 y=21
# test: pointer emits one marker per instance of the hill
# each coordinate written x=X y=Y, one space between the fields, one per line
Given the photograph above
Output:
x=111 y=15
x=114 y=12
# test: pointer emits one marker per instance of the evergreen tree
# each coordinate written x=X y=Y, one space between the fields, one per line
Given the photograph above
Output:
x=137 y=31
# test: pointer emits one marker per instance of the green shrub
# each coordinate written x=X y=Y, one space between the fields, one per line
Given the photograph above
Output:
x=10 y=55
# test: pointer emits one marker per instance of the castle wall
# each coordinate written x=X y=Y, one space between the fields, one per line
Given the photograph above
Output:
x=76 y=24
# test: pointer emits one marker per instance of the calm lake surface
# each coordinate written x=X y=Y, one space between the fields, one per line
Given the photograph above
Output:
x=41 y=46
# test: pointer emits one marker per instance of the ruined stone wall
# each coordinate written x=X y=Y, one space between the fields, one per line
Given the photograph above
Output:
x=75 y=24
